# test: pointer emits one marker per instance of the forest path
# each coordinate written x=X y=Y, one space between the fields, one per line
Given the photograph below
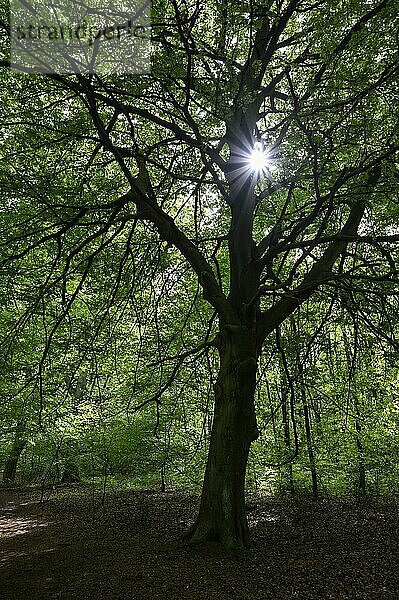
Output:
x=71 y=547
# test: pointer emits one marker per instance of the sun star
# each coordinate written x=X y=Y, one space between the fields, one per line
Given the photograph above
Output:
x=259 y=159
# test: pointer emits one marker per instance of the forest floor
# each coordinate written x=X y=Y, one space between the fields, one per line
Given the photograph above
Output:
x=130 y=548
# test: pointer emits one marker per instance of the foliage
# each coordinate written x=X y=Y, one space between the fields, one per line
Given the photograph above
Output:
x=153 y=280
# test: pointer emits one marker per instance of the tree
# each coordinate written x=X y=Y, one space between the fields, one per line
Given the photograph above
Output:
x=261 y=146
x=18 y=446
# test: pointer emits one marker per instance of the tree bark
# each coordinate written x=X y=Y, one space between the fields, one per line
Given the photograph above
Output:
x=222 y=515
x=309 y=443
x=11 y=464
x=361 y=477
x=288 y=473
x=71 y=472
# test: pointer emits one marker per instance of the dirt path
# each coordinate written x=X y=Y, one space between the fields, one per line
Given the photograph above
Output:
x=130 y=549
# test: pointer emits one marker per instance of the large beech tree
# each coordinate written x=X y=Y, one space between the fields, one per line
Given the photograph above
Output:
x=312 y=87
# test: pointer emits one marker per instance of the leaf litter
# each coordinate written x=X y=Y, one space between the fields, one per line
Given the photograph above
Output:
x=131 y=547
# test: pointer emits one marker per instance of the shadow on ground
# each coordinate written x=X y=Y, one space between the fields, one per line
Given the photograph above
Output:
x=72 y=547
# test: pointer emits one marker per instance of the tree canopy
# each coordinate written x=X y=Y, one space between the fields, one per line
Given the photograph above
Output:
x=224 y=224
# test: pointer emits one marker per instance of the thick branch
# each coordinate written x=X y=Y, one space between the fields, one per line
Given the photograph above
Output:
x=169 y=232
x=317 y=274
x=142 y=194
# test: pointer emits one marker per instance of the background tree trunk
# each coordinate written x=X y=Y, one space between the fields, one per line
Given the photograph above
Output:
x=361 y=476
x=309 y=443
x=18 y=445
x=288 y=473
x=70 y=473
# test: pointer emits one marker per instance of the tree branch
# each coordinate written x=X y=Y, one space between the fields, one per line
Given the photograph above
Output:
x=275 y=315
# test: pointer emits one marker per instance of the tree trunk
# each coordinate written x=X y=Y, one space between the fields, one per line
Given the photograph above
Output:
x=288 y=473
x=71 y=472
x=19 y=443
x=309 y=444
x=222 y=515
x=361 y=482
